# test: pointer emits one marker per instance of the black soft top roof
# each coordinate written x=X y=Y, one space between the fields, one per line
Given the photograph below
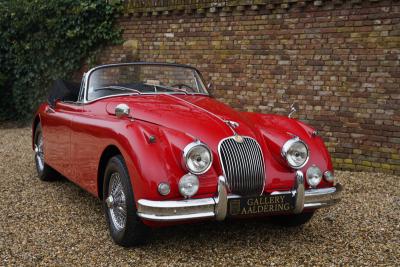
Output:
x=64 y=91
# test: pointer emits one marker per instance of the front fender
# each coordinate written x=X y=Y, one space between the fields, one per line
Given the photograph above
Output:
x=155 y=156
x=276 y=130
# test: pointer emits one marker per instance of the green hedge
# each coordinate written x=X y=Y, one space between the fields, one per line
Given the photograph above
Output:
x=42 y=40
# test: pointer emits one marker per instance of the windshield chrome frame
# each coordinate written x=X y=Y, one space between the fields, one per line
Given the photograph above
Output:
x=89 y=73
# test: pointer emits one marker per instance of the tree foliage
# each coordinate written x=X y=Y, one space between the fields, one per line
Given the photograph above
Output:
x=42 y=40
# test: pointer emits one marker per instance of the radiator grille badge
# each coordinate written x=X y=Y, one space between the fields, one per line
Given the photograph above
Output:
x=238 y=138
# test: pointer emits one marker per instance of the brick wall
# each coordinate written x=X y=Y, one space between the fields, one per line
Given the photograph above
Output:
x=338 y=59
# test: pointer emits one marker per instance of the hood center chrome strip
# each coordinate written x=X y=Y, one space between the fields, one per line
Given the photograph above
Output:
x=226 y=122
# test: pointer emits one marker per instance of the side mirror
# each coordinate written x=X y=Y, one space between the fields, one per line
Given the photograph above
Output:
x=122 y=110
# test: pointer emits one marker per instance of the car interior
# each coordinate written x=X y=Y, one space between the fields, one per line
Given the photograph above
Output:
x=65 y=91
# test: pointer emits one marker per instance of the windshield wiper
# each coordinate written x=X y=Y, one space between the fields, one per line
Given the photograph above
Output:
x=117 y=88
x=173 y=89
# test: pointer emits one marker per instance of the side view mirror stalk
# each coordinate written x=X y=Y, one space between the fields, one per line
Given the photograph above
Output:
x=210 y=88
x=293 y=108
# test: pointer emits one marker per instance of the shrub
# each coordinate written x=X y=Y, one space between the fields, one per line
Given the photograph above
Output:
x=42 y=40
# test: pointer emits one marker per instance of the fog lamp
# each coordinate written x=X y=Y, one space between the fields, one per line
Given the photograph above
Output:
x=328 y=175
x=188 y=185
x=164 y=189
x=314 y=176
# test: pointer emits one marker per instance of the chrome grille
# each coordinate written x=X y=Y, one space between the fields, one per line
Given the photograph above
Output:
x=243 y=165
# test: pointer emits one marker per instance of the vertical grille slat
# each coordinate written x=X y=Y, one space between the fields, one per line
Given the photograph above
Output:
x=249 y=172
x=257 y=159
x=240 y=163
x=255 y=168
x=232 y=167
x=243 y=165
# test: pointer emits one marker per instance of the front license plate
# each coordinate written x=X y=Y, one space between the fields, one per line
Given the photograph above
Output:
x=269 y=204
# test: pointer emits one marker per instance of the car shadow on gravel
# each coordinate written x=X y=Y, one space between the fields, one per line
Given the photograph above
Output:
x=239 y=230
x=228 y=231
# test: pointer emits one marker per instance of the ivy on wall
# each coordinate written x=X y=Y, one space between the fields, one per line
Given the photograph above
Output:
x=42 y=40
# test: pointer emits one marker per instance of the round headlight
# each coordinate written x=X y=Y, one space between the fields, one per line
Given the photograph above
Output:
x=296 y=153
x=197 y=157
x=314 y=176
x=328 y=175
x=188 y=185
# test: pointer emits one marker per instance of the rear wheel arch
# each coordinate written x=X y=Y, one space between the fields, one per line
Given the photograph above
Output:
x=36 y=122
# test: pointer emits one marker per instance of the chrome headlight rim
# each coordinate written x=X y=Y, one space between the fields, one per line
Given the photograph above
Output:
x=186 y=153
x=287 y=145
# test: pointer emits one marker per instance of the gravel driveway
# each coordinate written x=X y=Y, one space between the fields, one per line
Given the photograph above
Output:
x=59 y=224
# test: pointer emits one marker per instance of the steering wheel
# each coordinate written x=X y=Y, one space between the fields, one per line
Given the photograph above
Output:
x=181 y=85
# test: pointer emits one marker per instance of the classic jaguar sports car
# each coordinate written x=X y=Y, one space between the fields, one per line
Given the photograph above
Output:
x=150 y=142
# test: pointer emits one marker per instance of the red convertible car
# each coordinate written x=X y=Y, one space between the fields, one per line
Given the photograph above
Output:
x=157 y=149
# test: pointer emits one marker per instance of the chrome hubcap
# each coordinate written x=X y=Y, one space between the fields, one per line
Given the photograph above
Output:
x=110 y=202
x=39 y=152
x=116 y=202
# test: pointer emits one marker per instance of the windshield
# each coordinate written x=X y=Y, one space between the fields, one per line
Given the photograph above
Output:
x=144 y=79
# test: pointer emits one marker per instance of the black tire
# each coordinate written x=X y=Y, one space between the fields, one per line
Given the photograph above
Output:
x=44 y=171
x=292 y=220
x=133 y=232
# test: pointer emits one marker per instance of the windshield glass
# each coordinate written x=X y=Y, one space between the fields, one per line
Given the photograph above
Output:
x=144 y=79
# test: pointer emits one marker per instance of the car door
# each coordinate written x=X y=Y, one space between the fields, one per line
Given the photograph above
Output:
x=85 y=149
x=56 y=124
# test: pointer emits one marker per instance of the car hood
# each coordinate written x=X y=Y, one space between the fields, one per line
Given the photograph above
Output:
x=200 y=117
x=184 y=118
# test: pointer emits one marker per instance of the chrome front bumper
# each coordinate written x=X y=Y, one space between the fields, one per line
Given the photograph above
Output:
x=216 y=207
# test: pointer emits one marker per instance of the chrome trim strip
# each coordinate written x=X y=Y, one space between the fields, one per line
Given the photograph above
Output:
x=181 y=217
x=176 y=210
x=209 y=112
x=281 y=193
x=318 y=198
x=323 y=197
x=216 y=207
x=176 y=204
x=141 y=94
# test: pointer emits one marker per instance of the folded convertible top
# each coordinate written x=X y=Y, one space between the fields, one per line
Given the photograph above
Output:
x=64 y=91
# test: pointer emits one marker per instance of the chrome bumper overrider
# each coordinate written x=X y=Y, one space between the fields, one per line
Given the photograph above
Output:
x=216 y=207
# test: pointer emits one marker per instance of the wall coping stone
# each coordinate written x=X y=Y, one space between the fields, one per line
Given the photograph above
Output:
x=176 y=7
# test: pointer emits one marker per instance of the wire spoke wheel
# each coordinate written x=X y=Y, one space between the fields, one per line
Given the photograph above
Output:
x=116 y=202
x=125 y=226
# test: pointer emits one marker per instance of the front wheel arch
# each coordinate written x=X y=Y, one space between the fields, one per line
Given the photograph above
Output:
x=109 y=152
x=132 y=231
